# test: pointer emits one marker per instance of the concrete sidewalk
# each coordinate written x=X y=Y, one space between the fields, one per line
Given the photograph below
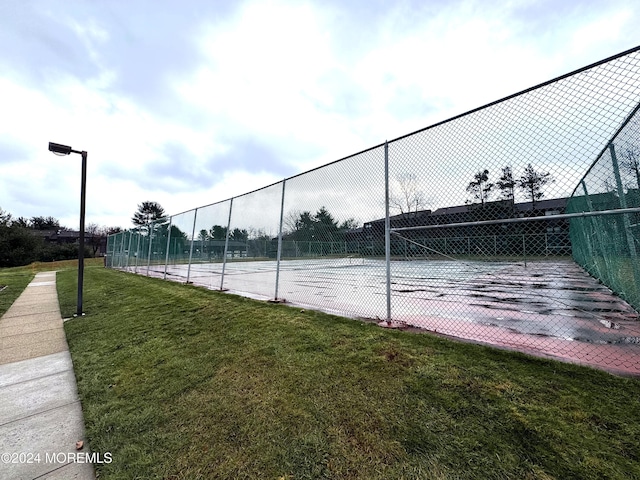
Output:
x=40 y=413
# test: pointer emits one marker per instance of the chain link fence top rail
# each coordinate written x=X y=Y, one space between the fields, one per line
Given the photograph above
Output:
x=511 y=224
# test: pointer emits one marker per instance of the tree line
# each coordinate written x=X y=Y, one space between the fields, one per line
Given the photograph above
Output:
x=406 y=196
x=21 y=243
x=322 y=226
x=530 y=183
x=300 y=226
x=218 y=232
x=148 y=212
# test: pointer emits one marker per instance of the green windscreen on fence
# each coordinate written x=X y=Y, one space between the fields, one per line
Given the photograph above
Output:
x=607 y=245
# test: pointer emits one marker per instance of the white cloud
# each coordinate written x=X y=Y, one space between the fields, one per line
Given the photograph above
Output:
x=270 y=89
x=261 y=73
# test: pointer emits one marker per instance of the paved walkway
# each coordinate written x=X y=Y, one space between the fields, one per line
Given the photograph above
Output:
x=40 y=413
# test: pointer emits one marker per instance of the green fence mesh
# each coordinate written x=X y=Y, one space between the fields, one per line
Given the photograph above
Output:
x=607 y=245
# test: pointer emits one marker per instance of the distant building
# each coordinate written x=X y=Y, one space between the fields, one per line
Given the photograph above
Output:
x=97 y=243
x=457 y=230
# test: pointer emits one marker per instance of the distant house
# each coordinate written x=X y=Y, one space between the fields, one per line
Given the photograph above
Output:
x=458 y=230
x=96 y=243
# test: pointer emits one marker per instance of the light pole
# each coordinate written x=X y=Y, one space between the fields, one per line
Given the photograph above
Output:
x=65 y=150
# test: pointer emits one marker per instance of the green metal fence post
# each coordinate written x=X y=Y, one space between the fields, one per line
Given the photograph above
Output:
x=166 y=257
x=193 y=233
x=226 y=246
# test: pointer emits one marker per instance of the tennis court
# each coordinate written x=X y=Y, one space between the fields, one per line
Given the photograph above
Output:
x=490 y=220
x=546 y=307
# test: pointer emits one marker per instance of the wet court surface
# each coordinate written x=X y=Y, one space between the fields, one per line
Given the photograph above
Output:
x=546 y=308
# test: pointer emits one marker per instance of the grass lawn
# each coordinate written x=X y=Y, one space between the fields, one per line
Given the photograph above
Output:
x=15 y=279
x=12 y=283
x=179 y=382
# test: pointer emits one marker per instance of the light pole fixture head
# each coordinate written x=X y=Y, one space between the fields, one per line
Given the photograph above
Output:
x=59 y=149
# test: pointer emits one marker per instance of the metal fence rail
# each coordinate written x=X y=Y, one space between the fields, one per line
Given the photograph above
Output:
x=515 y=224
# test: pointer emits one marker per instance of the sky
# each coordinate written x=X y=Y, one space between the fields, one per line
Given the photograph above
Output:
x=191 y=102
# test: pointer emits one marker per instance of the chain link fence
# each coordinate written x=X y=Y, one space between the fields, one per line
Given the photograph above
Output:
x=515 y=224
x=606 y=244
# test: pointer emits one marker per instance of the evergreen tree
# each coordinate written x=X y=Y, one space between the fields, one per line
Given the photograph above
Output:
x=218 y=232
x=480 y=187
x=239 y=235
x=507 y=184
x=532 y=182
x=326 y=227
x=322 y=227
x=147 y=212
x=22 y=222
x=5 y=218
x=45 y=223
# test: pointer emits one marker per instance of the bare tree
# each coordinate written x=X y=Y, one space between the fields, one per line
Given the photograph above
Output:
x=532 y=182
x=95 y=233
x=407 y=197
x=630 y=162
x=290 y=221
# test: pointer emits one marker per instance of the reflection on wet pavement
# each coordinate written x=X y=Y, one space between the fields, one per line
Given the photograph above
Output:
x=556 y=299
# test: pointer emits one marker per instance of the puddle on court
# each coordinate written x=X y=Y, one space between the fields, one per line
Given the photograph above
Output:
x=567 y=304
